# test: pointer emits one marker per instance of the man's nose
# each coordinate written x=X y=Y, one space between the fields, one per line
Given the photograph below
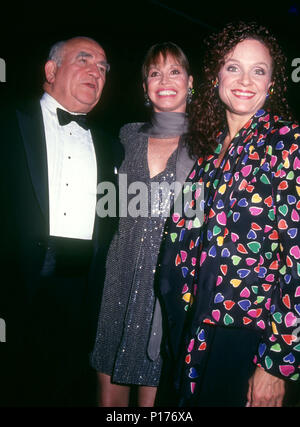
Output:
x=94 y=71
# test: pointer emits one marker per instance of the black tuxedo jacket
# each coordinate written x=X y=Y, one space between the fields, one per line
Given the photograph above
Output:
x=25 y=212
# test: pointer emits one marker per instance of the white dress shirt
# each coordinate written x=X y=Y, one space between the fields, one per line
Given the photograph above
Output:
x=72 y=175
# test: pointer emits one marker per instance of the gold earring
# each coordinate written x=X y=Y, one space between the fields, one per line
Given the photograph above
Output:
x=215 y=83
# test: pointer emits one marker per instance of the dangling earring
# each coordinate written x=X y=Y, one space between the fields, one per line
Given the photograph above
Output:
x=215 y=83
x=190 y=94
x=270 y=91
x=147 y=101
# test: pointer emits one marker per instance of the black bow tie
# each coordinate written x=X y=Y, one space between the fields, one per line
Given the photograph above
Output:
x=65 y=118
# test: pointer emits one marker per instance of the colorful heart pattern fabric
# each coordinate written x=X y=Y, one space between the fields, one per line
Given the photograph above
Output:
x=241 y=266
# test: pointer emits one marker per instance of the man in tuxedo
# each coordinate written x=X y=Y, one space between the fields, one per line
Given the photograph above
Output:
x=51 y=164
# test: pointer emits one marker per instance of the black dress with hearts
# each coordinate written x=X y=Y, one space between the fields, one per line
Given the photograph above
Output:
x=238 y=273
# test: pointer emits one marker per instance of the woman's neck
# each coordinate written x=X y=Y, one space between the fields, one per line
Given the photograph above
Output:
x=235 y=123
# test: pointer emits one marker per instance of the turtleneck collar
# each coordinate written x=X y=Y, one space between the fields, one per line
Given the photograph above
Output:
x=166 y=125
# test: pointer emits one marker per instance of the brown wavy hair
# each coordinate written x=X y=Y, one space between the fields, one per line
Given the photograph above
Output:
x=207 y=113
x=163 y=49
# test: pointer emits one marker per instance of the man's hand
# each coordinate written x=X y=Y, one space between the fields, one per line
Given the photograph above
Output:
x=265 y=389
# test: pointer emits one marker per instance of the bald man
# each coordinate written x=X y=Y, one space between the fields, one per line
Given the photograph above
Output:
x=53 y=163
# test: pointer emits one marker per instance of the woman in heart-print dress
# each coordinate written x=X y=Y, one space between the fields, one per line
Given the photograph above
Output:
x=230 y=286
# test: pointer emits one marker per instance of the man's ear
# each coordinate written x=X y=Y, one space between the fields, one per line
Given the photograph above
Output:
x=50 y=71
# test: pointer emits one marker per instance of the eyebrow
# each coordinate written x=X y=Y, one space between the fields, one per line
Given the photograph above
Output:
x=257 y=63
x=89 y=55
x=157 y=66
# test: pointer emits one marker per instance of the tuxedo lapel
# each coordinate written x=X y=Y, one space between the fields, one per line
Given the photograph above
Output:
x=33 y=134
x=107 y=158
x=97 y=147
x=99 y=142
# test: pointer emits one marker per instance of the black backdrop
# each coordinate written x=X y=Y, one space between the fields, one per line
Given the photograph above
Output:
x=126 y=30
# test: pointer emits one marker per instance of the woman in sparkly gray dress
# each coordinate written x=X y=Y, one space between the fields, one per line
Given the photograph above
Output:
x=126 y=351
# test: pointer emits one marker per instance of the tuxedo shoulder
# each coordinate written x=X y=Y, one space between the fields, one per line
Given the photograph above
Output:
x=13 y=111
x=6 y=113
x=108 y=145
x=101 y=133
x=130 y=130
x=9 y=116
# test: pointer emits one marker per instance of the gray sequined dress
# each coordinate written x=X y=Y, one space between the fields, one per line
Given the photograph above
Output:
x=128 y=297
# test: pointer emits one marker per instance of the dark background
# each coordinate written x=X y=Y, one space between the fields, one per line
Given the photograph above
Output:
x=126 y=30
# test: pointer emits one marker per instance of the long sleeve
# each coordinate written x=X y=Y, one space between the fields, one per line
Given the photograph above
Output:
x=279 y=354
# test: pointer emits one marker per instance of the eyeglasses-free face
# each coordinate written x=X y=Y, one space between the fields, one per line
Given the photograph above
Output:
x=244 y=79
x=78 y=82
x=167 y=85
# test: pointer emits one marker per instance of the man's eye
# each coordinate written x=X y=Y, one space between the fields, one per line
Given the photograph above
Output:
x=102 y=70
x=83 y=60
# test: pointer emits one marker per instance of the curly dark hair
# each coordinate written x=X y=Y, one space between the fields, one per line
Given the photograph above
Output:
x=207 y=113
